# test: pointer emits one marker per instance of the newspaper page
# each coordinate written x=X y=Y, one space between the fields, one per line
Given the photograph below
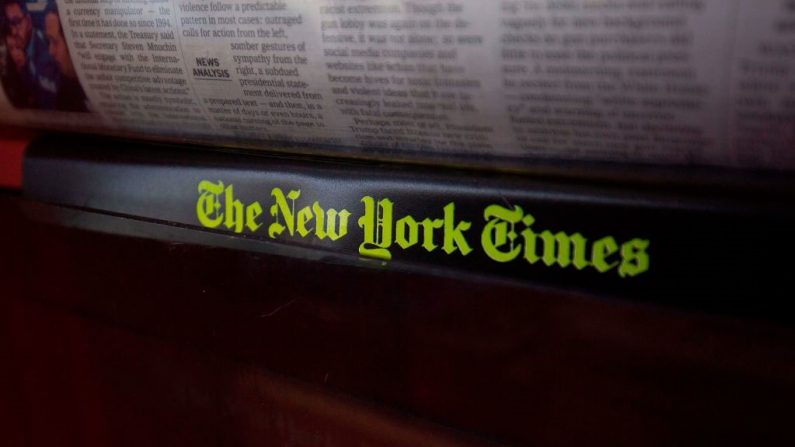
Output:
x=691 y=82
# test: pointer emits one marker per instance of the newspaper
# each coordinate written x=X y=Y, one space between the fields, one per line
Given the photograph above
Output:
x=690 y=82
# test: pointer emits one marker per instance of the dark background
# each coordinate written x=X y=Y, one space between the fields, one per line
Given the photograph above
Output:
x=111 y=340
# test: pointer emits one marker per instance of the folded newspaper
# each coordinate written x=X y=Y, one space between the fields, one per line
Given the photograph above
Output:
x=687 y=82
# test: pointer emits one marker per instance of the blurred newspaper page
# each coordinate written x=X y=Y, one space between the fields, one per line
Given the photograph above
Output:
x=695 y=82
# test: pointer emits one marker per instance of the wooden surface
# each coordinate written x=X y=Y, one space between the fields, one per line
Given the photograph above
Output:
x=13 y=144
x=108 y=340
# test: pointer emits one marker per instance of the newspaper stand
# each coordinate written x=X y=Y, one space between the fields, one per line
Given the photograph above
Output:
x=127 y=329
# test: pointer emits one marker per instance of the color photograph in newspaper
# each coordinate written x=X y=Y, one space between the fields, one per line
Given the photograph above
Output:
x=36 y=67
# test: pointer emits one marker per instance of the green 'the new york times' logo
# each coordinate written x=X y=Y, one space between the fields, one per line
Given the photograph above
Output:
x=508 y=233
